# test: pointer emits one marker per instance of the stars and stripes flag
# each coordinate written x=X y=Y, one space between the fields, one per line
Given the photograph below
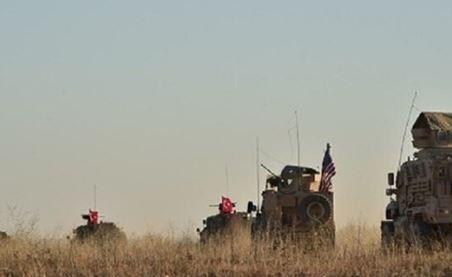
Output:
x=328 y=171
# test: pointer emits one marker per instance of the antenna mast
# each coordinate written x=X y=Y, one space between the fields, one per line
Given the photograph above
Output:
x=95 y=197
x=298 y=138
x=226 y=171
x=406 y=128
x=257 y=173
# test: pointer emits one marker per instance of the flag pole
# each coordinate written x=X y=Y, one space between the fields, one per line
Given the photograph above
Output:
x=226 y=171
x=95 y=197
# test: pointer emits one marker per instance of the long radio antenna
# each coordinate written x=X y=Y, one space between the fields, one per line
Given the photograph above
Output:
x=226 y=172
x=258 y=173
x=406 y=128
x=95 y=197
x=298 y=138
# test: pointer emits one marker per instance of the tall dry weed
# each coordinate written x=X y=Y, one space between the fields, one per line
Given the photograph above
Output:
x=357 y=253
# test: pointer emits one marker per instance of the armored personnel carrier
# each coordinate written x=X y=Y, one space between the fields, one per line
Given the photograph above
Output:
x=293 y=205
x=98 y=231
x=420 y=208
x=227 y=223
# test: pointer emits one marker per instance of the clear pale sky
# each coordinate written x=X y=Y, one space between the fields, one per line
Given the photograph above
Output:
x=149 y=100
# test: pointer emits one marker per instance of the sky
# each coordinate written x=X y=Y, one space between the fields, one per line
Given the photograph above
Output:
x=149 y=101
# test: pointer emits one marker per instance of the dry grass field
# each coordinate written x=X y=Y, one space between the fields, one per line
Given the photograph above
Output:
x=358 y=253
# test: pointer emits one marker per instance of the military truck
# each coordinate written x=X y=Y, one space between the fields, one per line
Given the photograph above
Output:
x=227 y=223
x=294 y=206
x=420 y=207
x=97 y=231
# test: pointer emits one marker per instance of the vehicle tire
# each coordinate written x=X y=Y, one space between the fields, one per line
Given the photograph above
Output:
x=387 y=234
x=251 y=207
x=315 y=209
x=420 y=233
x=3 y=236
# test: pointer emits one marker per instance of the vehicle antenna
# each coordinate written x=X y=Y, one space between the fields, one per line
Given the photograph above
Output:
x=257 y=173
x=95 y=197
x=226 y=172
x=406 y=128
x=298 y=138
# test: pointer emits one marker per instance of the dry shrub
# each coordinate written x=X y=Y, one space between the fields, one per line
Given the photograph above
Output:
x=357 y=253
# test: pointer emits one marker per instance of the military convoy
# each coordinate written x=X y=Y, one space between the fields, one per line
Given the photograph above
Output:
x=293 y=207
x=419 y=211
x=422 y=208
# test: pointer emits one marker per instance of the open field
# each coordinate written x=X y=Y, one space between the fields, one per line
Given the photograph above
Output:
x=357 y=254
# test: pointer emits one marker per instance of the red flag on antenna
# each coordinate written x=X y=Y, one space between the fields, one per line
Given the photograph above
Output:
x=93 y=217
x=226 y=205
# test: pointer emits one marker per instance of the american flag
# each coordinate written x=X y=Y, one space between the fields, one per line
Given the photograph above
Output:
x=328 y=171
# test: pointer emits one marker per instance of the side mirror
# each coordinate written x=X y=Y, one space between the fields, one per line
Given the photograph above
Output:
x=204 y=221
x=251 y=207
x=390 y=192
x=198 y=231
x=391 y=179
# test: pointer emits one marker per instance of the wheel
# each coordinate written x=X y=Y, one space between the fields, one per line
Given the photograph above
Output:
x=3 y=236
x=258 y=227
x=420 y=233
x=387 y=234
x=315 y=210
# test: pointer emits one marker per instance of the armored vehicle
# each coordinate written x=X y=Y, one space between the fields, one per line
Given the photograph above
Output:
x=227 y=223
x=98 y=231
x=294 y=205
x=420 y=208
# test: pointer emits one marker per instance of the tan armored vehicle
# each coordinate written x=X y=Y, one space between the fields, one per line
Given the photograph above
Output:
x=420 y=208
x=227 y=223
x=293 y=204
x=97 y=231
